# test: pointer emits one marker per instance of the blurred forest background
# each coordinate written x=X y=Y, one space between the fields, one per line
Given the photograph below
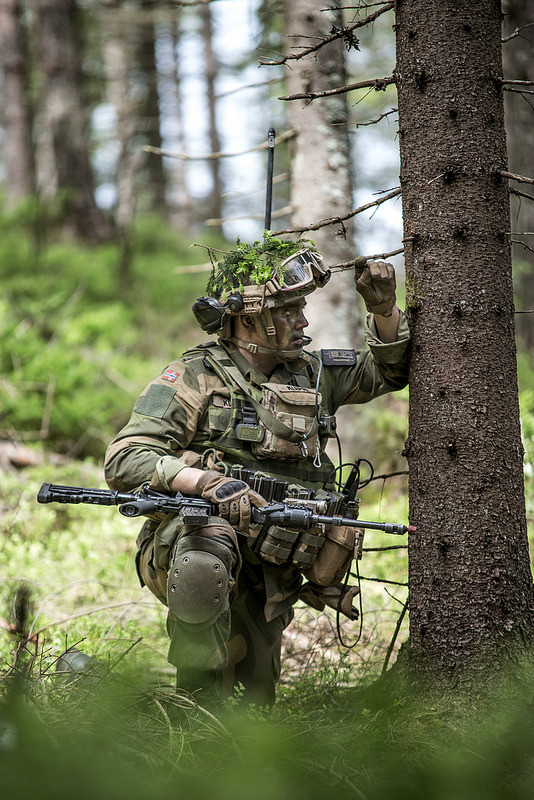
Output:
x=96 y=225
x=132 y=130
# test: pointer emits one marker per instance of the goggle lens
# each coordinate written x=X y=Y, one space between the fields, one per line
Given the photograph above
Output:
x=299 y=271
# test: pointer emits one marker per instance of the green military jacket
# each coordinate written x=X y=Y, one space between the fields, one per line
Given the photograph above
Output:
x=188 y=414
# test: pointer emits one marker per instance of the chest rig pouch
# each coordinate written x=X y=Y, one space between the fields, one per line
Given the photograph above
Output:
x=289 y=422
x=283 y=423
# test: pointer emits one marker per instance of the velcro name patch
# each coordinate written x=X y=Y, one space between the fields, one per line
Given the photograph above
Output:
x=156 y=401
x=338 y=358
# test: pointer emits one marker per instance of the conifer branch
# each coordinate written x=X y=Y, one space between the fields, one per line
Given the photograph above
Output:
x=374 y=121
x=338 y=33
x=336 y=220
x=349 y=265
x=381 y=580
x=523 y=244
x=520 y=178
x=212 y=156
x=520 y=194
x=517 y=83
x=394 y=637
x=516 y=33
x=378 y=84
x=517 y=90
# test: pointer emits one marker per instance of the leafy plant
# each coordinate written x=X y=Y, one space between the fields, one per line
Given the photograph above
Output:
x=251 y=263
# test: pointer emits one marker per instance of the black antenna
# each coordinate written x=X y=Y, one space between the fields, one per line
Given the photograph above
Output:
x=269 y=192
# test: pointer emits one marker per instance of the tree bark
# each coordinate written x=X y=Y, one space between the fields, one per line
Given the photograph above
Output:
x=151 y=112
x=63 y=153
x=215 y=209
x=320 y=165
x=117 y=51
x=471 y=599
x=18 y=153
x=519 y=65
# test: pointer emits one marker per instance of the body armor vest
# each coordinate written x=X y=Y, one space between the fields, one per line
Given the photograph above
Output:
x=233 y=424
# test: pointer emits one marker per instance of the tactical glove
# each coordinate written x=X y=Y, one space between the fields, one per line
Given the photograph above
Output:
x=375 y=281
x=233 y=497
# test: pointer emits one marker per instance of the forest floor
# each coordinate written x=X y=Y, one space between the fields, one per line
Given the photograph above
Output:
x=122 y=731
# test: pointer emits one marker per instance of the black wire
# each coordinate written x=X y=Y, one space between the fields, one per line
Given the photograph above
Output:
x=338 y=611
x=338 y=470
x=332 y=474
x=317 y=407
x=356 y=466
x=359 y=485
x=372 y=471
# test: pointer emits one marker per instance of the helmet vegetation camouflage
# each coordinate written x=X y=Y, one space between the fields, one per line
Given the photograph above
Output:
x=266 y=274
x=254 y=278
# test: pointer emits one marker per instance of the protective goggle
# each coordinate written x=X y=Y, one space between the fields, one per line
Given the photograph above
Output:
x=300 y=271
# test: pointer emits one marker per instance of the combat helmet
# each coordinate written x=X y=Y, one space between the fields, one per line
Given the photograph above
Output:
x=254 y=279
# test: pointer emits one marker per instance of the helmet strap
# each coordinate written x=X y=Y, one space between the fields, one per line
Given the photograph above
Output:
x=266 y=324
x=286 y=355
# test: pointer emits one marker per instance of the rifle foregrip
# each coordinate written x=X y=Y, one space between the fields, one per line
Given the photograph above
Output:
x=45 y=495
x=55 y=493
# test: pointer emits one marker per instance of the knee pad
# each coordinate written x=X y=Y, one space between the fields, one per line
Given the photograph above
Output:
x=201 y=577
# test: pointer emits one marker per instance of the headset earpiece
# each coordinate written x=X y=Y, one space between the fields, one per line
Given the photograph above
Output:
x=210 y=313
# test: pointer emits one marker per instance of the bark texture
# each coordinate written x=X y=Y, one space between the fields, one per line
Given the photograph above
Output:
x=320 y=166
x=63 y=152
x=519 y=66
x=151 y=127
x=215 y=206
x=470 y=581
x=16 y=117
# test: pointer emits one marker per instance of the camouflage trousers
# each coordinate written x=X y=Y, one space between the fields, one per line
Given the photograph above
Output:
x=241 y=648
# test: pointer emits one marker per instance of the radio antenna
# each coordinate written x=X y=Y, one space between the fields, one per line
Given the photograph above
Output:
x=269 y=191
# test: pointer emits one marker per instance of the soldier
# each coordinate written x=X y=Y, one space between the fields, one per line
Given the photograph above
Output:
x=255 y=400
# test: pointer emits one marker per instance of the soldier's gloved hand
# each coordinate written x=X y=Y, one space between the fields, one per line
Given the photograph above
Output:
x=233 y=497
x=375 y=281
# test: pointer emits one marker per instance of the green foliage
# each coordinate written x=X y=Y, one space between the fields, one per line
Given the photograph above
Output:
x=124 y=732
x=526 y=404
x=250 y=263
x=79 y=338
x=124 y=738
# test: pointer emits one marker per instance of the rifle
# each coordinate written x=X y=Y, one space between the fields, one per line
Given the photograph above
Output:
x=289 y=513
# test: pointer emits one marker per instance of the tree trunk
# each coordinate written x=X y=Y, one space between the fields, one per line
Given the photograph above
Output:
x=320 y=167
x=117 y=50
x=519 y=66
x=471 y=599
x=215 y=201
x=178 y=201
x=18 y=156
x=63 y=154
x=151 y=127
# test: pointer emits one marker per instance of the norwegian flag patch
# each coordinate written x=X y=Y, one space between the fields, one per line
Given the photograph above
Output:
x=169 y=375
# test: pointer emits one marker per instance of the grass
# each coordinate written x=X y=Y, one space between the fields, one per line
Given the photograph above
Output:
x=337 y=729
x=77 y=564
